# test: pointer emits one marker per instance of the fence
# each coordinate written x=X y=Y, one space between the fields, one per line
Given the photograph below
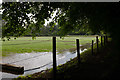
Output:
x=78 y=50
x=21 y=69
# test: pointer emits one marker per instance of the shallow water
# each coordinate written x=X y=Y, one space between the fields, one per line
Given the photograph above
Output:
x=35 y=62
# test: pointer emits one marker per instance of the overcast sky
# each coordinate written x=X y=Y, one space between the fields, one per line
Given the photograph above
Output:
x=0 y=1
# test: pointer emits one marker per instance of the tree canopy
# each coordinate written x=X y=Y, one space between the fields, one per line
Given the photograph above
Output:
x=17 y=16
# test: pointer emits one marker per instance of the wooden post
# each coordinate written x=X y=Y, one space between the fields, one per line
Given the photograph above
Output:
x=101 y=41
x=104 y=40
x=54 y=58
x=78 y=50
x=92 y=47
x=97 y=44
x=10 y=68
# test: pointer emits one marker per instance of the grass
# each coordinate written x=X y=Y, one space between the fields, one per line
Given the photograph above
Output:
x=99 y=66
x=61 y=69
x=41 y=44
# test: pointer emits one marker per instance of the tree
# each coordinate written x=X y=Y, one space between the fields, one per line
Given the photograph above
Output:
x=69 y=16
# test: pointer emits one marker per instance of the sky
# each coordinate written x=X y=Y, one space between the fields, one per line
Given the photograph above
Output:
x=0 y=1
x=50 y=19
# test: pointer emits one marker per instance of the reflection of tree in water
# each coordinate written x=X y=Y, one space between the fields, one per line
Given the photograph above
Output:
x=82 y=47
x=86 y=46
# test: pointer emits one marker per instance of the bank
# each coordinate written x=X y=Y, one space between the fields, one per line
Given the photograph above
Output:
x=103 y=65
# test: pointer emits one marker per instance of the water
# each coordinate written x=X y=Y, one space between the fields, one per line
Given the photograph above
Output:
x=35 y=62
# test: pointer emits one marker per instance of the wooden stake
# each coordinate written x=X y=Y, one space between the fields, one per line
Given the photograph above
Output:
x=78 y=50
x=101 y=41
x=92 y=47
x=104 y=40
x=54 y=58
x=97 y=44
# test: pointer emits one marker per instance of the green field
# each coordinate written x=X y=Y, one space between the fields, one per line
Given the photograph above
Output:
x=41 y=44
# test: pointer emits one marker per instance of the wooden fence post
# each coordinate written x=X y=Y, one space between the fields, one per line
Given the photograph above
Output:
x=92 y=47
x=78 y=50
x=54 y=58
x=104 y=40
x=97 y=44
x=101 y=41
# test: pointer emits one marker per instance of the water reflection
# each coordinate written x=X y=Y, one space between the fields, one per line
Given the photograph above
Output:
x=36 y=62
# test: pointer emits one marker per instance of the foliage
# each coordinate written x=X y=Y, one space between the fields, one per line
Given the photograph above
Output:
x=69 y=16
x=55 y=31
x=16 y=18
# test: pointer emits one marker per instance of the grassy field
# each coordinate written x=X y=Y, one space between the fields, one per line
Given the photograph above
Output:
x=103 y=65
x=41 y=44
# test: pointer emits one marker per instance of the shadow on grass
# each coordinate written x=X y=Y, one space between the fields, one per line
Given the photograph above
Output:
x=103 y=65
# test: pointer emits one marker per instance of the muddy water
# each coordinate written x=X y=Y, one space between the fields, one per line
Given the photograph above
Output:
x=35 y=62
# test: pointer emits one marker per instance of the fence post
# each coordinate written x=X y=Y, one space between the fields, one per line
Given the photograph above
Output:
x=97 y=44
x=92 y=47
x=78 y=50
x=101 y=41
x=54 y=58
x=104 y=40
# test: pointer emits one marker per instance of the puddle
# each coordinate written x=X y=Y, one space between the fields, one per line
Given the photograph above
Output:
x=36 y=62
x=28 y=60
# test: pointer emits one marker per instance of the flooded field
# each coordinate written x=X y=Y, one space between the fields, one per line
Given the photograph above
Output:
x=35 y=62
x=20 y=52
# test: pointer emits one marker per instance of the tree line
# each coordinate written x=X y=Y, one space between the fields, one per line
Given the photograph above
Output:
x=70 y=16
